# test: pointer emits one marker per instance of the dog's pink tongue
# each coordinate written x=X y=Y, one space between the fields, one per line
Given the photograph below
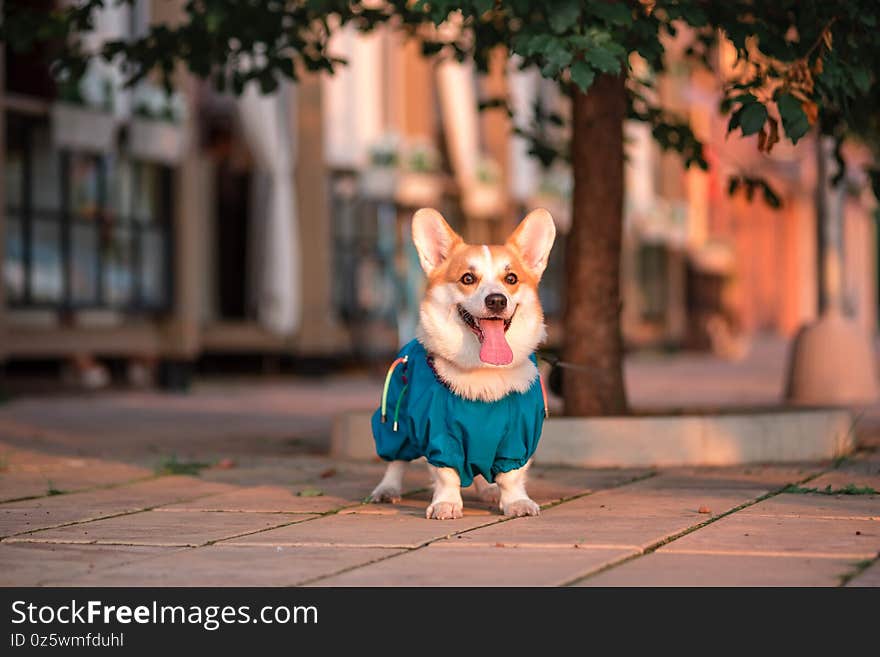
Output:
x=494 y=349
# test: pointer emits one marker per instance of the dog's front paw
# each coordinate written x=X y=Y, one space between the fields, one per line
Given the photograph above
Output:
x=444 y=511
x=523 y=507
x=385 y=494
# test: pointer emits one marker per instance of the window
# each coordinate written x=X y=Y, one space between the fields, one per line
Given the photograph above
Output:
x=83 y=230
x=653 y=274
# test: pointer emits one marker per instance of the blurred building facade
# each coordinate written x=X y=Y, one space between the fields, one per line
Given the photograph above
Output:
x=137 y=226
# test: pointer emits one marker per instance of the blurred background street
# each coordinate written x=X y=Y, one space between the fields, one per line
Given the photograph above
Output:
x=148 y=238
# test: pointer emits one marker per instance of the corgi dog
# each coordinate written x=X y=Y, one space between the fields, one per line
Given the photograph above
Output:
x=466 y=394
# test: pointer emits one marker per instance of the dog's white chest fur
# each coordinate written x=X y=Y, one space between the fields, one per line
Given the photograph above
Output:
x=486 y=384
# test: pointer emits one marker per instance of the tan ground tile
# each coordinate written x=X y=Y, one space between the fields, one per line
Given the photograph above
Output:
x=415 y=505
x=366 y=530
x=749 y=477
x=783 y=535
x=262 y=499
x=234 y=566
x=350 y=482
x=625 y=517
x=666 y=569
x=866 y=507
x=185 y=528
x=16 y=485
x=551 y=484
x=294 y=470
x=352 y=490
x=36 y=564
x=44 y=512
x=31 y=472
x=869 y=577
x=453 y=565
x=19 y=485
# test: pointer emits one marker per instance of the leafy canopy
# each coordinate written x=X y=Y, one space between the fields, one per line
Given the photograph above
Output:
x=799 y=63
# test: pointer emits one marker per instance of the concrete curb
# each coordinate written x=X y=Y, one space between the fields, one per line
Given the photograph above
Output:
x=720 y=439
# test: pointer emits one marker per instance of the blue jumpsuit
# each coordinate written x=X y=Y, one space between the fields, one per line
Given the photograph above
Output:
x=472 y=437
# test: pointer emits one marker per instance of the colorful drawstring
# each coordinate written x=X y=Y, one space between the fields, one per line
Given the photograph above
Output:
x=544 y=395
x=391 y=369
x=397 y=406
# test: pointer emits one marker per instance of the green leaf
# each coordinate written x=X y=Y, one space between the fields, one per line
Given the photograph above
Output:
x=564 y=15
x=614 y=13
x=752 y=118
x=537 y=44
x=603 y=60
x=556 y=58
x=744 y=99
x=794 y=120
x=582 y=75
x=862 y=79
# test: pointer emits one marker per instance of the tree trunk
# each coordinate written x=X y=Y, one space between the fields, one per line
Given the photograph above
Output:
x=592 y=336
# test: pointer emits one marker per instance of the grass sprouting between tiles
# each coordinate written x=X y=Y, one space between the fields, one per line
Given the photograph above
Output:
x=849 y=489
x=172 y=466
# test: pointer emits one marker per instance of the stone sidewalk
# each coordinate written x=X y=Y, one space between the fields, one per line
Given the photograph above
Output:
x=298 y=519
x=230 y=485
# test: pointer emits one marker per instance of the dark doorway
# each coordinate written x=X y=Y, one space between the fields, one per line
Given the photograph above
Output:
x=233 y=189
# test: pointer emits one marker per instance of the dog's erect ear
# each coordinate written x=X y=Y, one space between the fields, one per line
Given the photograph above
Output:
x=433 y=237
x=533 y=239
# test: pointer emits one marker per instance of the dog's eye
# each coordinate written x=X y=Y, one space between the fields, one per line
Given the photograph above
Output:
x=511 y=279
x=468 y=278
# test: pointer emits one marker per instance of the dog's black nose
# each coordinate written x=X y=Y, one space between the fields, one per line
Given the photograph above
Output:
x=496 y=303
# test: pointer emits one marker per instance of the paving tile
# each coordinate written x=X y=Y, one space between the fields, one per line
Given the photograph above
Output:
x=262 y=499
x=866 y=507
x=16 y=485
x=415 y=505
x=186 y=528
x=742 y=533
x=669 y=569
x=45 y=512
x=404 y=529
x=276 y=471
x=454 y=565
x=31 y=472
x=37 y=564
x=749 y=477
x=233 y=566
x=630 y=517
x=868 y=577
x=550 y=484
x=349 y=482
x=288 y=470
x=19 y=485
